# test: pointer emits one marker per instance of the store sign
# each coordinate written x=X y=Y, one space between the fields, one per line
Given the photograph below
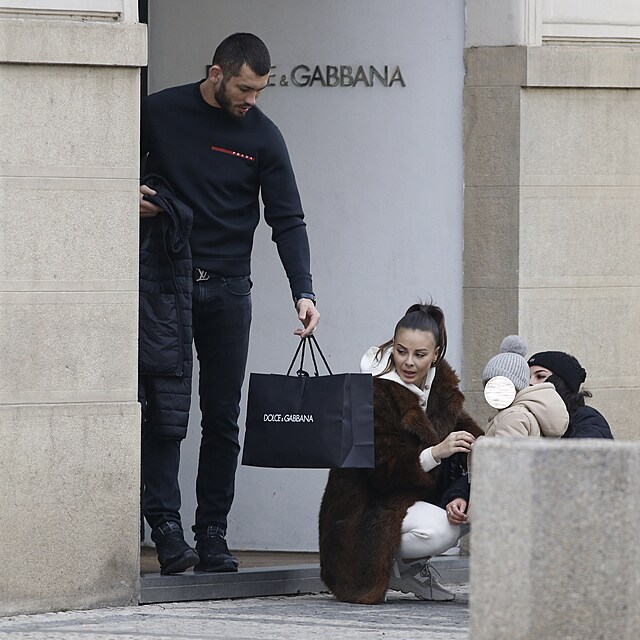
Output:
x=303 y=75
x=344 y=75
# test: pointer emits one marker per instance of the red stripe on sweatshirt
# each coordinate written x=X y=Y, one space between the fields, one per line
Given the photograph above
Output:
x=233 y=153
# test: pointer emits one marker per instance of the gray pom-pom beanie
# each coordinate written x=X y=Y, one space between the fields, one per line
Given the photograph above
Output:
x=510 y=362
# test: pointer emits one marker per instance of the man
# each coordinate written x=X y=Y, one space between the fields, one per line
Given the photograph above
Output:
x=218 y=151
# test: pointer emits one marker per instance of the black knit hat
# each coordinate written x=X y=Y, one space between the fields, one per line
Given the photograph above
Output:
x=563 y=365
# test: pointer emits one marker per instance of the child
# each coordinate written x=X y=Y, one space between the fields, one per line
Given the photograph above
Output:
x=535 y=410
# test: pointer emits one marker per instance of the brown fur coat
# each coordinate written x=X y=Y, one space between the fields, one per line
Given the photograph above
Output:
x=362 y=509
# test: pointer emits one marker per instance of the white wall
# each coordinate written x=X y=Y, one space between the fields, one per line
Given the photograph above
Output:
x=577 y=19
x=499 y=23
x=380 y=173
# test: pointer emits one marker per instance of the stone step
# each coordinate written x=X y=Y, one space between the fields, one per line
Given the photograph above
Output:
x=263 y=581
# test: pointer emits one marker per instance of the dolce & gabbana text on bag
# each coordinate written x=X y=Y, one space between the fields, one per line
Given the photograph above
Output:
x=309 y=421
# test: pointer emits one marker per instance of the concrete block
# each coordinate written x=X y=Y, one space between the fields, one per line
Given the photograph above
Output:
x=70 y=506
x=554 y=540
x=69 y=420
x=68 y=234
x=597 y=325
x=491 y=136
x=495 y=66
x=580 y=137
x=69 y=347
x=73 y=42
x=490 y=315
x=491 y=236
x=583 y=66
x=80 y=122
x=552 y=218
x=553 y=66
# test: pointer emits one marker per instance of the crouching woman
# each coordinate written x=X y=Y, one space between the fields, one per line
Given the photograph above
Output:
x=379 y=527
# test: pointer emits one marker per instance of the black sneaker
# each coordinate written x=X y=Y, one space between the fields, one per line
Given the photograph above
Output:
x=174 y=554
x=214 y=553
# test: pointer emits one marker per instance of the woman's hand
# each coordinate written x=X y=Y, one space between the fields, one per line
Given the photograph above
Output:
x=455 y=442
x=457 y=511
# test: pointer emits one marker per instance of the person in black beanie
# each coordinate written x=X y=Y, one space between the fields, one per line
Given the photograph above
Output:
x=567 y=375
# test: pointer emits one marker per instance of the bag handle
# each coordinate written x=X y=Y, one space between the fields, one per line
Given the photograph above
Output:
x=302 y=346
x=312 y=341
x=300 y=371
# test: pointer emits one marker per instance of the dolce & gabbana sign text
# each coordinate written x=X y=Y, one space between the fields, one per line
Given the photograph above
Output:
x=344 y=75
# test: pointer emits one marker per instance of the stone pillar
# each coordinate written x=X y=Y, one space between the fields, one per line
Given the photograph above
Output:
x=552 y=185
x=554 y=540
x=69 y=417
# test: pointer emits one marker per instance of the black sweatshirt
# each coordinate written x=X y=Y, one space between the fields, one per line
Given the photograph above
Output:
x=218 y=165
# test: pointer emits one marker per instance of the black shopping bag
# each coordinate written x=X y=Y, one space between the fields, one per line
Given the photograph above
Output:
x=310 y=422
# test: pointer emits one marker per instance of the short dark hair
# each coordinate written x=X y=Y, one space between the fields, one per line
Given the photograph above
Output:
x=239 y=49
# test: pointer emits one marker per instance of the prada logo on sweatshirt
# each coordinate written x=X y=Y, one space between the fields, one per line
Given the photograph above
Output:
x=244 y=156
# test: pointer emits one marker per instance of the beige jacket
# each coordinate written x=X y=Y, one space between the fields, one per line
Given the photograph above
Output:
x=536 y=410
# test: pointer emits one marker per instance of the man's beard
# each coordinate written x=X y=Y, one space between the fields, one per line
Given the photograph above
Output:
x=223 y=100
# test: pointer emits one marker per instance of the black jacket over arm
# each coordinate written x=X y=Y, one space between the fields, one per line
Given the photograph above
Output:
x=165 y=357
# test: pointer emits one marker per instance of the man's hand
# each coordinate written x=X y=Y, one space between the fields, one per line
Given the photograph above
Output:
x=148 y=209
x=308 y=315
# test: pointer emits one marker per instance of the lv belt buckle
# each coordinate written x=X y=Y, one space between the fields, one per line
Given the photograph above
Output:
x=202 y=275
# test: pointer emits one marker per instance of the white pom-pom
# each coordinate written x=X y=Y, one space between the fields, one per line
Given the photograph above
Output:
x=514 y=344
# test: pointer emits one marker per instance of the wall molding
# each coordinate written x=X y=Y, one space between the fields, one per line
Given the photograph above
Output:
x=98 y=10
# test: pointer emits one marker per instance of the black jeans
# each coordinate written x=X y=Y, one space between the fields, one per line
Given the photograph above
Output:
x=221 y=324
x=160 y=490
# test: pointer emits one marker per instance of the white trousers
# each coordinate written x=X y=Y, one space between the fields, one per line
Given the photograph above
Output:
x=426 y=532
